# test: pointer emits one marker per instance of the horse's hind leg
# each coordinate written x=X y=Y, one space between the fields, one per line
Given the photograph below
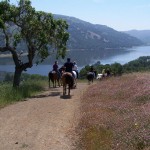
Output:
x=69 y=90
x=58 y=81
x=54 y=83
x=75 y=83
x=64 y=90
x=49 y=83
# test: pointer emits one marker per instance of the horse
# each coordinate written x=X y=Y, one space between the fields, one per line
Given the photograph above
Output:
x=99 y=76
x=74 y=73
x=54 y=78
x=67 y=80
x=62 y=70
x=90 y=77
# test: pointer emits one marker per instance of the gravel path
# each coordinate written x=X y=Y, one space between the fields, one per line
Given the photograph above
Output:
x=45 y=122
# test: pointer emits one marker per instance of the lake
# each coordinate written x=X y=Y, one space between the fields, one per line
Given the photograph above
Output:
x=132 y=54
x=121 y=57
x=36 y=69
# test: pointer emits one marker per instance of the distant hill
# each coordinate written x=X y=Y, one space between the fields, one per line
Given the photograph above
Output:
x=84 y=35
x=143 y=35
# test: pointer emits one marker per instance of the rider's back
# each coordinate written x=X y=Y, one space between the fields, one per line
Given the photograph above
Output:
x=69 y=66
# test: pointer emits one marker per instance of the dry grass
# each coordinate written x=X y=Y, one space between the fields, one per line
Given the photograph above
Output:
x=115 y=114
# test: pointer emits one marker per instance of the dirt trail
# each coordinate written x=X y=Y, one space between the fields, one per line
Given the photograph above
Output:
x=45 y=122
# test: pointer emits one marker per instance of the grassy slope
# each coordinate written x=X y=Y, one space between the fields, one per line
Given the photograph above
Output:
x=115 y=114
x=8 y=95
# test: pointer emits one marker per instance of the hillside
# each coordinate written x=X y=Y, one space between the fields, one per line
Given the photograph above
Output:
x=84 y=35
x=87 y=36
x=143 y=35
x=84 y=38
x=115 y=114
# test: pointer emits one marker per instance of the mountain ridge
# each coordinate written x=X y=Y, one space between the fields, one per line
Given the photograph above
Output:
x=143 y=35
x=96 y=36
x=88 y=37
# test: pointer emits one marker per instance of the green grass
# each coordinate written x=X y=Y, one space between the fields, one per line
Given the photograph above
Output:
x=29 y=88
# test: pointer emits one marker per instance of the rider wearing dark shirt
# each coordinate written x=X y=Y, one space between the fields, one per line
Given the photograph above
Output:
x=55 y=68
x=69 y=65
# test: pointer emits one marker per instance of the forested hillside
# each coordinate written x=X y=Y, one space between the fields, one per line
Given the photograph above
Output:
x=84 y=35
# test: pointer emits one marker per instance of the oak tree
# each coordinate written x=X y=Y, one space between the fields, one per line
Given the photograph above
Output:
x=36 y=32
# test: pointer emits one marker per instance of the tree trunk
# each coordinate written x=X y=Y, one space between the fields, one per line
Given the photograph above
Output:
x=17 y=76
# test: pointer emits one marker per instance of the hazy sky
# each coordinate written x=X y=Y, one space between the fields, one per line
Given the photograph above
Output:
x=118 y=14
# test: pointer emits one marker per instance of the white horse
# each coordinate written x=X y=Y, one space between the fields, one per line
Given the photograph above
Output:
x=99 y=76
x=75 y=78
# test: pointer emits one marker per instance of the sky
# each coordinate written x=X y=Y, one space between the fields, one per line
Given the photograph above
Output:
x=121 y=15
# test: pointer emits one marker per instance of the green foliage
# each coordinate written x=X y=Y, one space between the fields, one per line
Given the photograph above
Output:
x=140 y=64
x=117 y=69
x=33 y=84
x=84 y=71
x=35 y=77
x=8 y=77
x=38 y=31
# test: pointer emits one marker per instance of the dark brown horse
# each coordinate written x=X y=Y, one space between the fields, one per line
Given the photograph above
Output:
x=90 y=77
x=68 y=82
x=54 y=78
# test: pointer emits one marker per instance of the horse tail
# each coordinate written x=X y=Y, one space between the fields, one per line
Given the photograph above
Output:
x=68 y=79
x=71 y=80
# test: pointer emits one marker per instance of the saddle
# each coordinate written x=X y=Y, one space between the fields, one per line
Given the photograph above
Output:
x=53 y=72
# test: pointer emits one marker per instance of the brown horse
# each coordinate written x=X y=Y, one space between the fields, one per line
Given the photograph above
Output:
x=90 y=77
x=67 y=80
x=54 y=78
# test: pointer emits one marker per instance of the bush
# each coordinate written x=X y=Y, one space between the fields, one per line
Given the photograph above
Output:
x=116 y=69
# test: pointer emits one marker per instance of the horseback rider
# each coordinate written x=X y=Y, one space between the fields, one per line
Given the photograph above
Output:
x=92 y=71
x=55 y=68
x=69 y=65
x=75 y=68
x=69 y=68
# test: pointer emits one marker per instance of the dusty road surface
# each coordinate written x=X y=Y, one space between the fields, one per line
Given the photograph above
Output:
x=45 y=122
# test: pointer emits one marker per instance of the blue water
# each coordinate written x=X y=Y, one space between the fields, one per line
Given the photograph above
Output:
x=131 y=54
x=36 y=69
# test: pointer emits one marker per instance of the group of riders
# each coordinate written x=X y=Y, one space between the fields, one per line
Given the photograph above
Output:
x=67 y=67
x=70 y=66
